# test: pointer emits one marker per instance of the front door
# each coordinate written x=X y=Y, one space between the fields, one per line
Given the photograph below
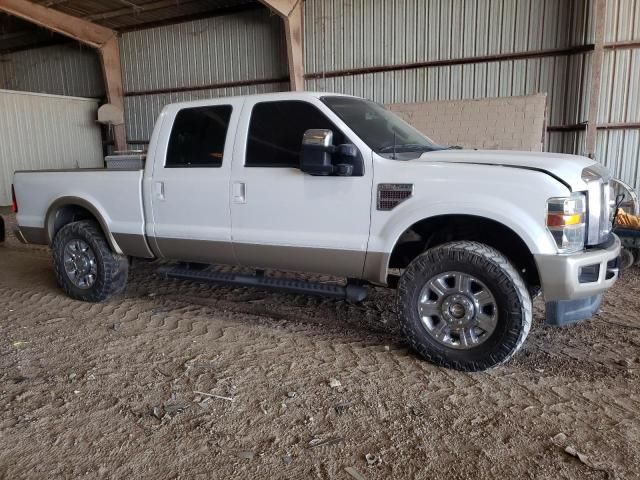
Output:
x=190 y=188
x=283 y=218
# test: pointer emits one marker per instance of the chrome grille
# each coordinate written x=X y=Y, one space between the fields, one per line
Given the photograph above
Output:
x=390 y=195
x=606 y=213
x=599 y=204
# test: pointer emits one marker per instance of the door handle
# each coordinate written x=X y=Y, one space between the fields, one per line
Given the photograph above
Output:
x=239 y=192
x=159 y=190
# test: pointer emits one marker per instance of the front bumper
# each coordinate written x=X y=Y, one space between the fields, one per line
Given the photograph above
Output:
x=579 y=275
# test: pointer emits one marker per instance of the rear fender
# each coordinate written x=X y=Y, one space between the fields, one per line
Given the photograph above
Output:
x=55 y=208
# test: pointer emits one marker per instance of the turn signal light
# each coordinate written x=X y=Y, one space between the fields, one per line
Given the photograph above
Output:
x=560 y=220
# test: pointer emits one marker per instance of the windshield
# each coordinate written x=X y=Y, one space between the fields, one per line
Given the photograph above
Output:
x=383 y=131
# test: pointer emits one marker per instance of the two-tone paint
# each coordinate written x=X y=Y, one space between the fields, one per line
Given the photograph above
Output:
x=285 y=219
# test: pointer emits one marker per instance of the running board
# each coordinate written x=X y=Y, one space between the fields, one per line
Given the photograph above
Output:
x=350 y=292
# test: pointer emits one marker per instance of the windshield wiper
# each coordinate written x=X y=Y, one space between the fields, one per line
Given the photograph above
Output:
x=407 y=147
x=450 y=147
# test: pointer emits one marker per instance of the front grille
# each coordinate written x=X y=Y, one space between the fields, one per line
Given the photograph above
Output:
x=600 y=211
x=606 y=212
x=390 y=195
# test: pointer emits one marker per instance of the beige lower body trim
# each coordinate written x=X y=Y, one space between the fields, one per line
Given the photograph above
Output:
x=371 y=266
x=376 y=267
x=33 y=235
x=343 y=263
x=133 y=245
x=199 y=251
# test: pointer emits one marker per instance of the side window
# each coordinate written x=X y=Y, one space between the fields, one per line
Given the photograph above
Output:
x=197 y=138
x=276 y=130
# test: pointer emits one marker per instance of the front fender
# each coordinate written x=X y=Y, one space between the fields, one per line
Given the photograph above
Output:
x=513 y=197
x=527 y=225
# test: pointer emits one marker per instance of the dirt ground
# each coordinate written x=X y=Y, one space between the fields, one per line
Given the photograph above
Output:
x=111 y=390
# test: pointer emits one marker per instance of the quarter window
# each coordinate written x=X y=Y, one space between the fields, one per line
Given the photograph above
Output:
x=198 y=136
x=276 y=130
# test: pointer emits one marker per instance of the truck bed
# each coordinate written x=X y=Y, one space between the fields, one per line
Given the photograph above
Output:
x=115 y=194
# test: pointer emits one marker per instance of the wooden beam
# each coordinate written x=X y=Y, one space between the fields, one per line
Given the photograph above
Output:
x=97 y=36
x=292 y=14
x=135 y=9
x=597 y=58
x=281 y=7
x=52 y=3
x=76 y=28
x=112 y=71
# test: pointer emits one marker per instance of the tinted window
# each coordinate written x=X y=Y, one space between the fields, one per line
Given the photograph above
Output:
x=198 y=135
x=276 y=130
x=379 y=128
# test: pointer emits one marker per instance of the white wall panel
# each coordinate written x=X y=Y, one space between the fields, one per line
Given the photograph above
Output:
x=46 y=131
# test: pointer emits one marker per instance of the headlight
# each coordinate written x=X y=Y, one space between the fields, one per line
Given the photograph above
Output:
x=566 y=221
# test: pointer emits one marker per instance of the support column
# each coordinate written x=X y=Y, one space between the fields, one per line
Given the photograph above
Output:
x=291 y=12
x=597 y=59
x=112 y=72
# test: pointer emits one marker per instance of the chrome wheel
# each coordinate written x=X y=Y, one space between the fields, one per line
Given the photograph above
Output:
x=80 y=263
x=457 y=310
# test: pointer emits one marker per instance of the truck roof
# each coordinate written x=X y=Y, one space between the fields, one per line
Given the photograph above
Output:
x=262 y=96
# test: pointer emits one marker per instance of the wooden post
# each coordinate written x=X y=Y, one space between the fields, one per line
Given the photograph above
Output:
x=112 y=71
x=292 y=14
x=597 y=58
x=94 y=35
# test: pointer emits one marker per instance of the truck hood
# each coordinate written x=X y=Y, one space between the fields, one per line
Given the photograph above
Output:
x=565 y=168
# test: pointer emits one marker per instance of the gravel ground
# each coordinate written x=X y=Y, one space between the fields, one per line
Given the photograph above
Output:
x=296 y=387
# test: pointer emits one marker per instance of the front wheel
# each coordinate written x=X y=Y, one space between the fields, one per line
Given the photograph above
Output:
x=464 y=306
x=85 y=266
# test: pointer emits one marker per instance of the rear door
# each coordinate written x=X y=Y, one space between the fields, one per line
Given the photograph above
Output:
x=283 y=218
x=190 y=182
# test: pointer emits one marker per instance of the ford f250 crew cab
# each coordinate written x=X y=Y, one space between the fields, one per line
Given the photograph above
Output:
x=335 y=184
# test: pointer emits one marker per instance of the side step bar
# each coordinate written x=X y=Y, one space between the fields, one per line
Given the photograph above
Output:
x=352 y=293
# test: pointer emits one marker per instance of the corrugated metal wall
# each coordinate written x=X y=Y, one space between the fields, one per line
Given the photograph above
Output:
x=344 y=34
x=236 y=54
x=392 y=51
x=344 y=38
x=618 y=145
x=46 y=131
x=66 y=69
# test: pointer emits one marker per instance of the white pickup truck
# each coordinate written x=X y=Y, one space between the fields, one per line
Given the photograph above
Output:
x=335 y=184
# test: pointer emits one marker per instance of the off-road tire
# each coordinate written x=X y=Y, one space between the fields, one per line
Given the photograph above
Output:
x=498 y=274
x=113 y=269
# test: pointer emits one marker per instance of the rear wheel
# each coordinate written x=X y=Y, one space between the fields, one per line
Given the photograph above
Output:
x=85 y=266
x=464 y=306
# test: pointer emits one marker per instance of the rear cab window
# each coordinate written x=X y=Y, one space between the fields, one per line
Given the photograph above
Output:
x=198 y=137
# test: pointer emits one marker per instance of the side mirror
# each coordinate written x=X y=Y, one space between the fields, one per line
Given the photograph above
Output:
x=347 y=150
x=315 y=156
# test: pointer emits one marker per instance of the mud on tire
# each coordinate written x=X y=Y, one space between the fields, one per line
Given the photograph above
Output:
x=489 y=267
x=112 y=269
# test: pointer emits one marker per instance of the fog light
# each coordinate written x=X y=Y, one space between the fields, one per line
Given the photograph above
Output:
x=589 y=274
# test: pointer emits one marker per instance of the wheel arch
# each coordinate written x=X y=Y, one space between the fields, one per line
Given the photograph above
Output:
x=66 y=210
x=436 y=230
